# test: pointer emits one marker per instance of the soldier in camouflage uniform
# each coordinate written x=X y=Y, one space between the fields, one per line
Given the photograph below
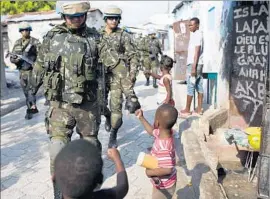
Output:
x=67 y=65
x=103 y=92
x=151 y=63
x=119 y=58
x=139 y=49
x=26 y=46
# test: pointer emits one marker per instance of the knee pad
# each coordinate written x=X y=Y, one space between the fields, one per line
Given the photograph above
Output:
x=94 y=140
x=116 y=121
x=55 y=147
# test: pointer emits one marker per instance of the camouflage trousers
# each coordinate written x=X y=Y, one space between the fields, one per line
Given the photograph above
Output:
x=60 y=120
x=150 y=65
x=25 y=77
x=118 y=87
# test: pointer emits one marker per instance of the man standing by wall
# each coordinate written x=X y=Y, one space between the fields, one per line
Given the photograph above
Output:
x=27 y=47
x=194 y=67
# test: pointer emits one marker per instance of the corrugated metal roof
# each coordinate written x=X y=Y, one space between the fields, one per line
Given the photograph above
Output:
x=38 y=16
x=179 y=5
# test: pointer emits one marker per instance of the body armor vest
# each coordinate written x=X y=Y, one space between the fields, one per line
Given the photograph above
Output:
x=27 y=49
x=70 y=65
x=111 y=50
x=154 y=48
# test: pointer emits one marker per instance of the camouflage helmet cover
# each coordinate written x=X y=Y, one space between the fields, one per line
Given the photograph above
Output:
x=151 y=31
x=25 y=26
x=112 y=11
x=75 y=7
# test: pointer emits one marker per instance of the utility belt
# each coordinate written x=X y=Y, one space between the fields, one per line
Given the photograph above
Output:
x=63 y=105
x=57 y=104
x=25 y=69
x=24 y=66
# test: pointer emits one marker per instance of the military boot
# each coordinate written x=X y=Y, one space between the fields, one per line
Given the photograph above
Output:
x=155 y=83
x=147 y=82
x=108 y=123
x=112 y=140
x=34 y=110
x=29 y=114
x=56 y=192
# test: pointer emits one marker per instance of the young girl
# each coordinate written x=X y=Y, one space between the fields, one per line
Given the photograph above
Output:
x=165 y=94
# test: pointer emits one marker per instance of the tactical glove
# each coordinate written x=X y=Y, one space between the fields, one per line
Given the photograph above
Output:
x=132 y=104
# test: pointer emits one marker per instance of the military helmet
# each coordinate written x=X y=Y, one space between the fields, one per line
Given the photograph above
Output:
x=25 y=26
x=74 y=7
x=112 y=11
x=151 y=31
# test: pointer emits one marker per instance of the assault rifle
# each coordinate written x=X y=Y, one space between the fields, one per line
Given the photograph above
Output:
x=102 y=87
x=24 y=58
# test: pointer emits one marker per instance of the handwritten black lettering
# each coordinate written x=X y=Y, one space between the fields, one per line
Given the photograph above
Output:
x=250 y=55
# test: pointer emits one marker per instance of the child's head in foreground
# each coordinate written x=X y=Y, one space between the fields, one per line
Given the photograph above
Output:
x=78 y=169
x=166 y=117
x=166 y=63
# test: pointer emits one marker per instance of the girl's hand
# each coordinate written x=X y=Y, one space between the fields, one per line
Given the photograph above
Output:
x=139 y=113
x=167 y=100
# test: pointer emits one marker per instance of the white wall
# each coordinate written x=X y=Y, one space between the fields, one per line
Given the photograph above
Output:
x=95 y=19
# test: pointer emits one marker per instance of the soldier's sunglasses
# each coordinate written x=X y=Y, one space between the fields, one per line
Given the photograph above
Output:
x=113 y=18
x=75 y=16
x=22 y=30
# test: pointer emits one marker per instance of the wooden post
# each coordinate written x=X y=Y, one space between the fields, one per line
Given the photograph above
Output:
x=2 y=65
x=264 y=158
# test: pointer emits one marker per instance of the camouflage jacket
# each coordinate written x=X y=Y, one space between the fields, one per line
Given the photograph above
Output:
x=142 y=45
x=139 y=43
x=28 y=48
x=117 y=52
x=155 y=46
x=67 y=64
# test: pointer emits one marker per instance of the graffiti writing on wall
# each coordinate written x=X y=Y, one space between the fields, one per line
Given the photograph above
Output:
x=250 y=56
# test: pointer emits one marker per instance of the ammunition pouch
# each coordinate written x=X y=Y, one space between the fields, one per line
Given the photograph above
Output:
x=112 y=59
x=52 y=62
x=78 y=79
x=89 y=65
x=52 y=86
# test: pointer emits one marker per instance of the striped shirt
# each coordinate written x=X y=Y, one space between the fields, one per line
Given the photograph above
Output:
x=164 y=151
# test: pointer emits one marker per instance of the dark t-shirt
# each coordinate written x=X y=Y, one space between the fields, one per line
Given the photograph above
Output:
x=117 y=192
